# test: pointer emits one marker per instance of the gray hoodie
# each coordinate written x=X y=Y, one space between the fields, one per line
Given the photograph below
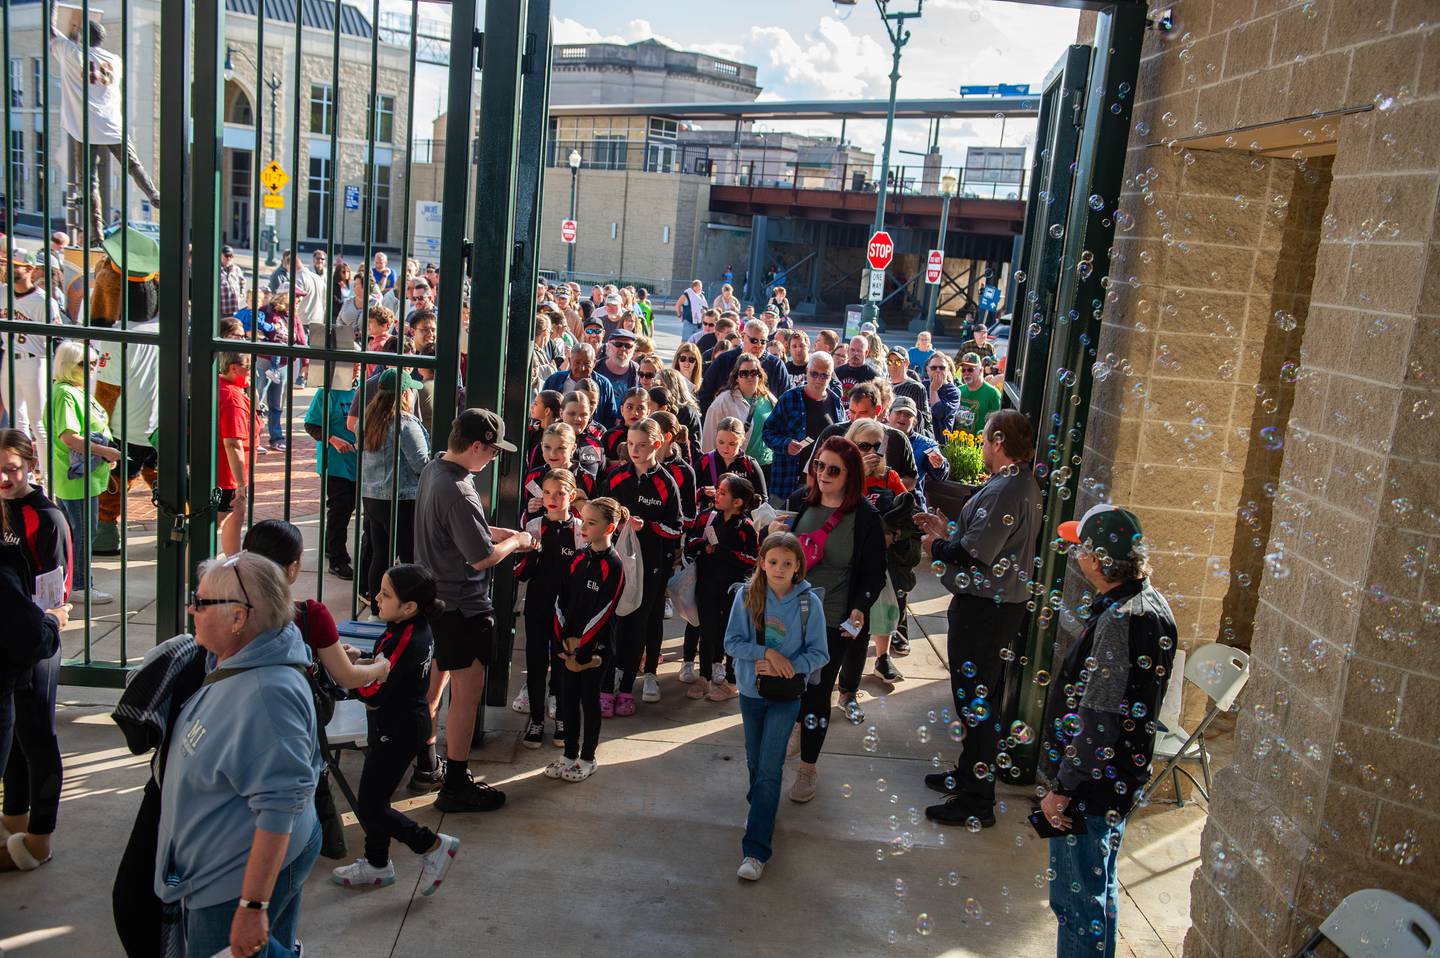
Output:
x=243 y=755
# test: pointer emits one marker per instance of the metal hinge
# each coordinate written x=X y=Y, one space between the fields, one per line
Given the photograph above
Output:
x=477 y=40
x=527 y=59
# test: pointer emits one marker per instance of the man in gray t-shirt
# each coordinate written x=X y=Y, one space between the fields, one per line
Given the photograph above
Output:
x=455 y=542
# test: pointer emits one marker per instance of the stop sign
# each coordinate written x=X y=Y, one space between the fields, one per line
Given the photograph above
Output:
x=567 y=231
x=934 y=266
x=880 y=250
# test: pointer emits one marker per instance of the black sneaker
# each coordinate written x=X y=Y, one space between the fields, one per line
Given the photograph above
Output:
x=945 y=782
x=422 y=782
x=559 y=739
x=534 y=735
x=959 y=811
x=886 y=670
x=472 y=796
x=899 y=645
x=342 y=570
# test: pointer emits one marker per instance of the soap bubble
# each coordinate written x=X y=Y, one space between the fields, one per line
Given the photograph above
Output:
x=923 y=924
x=1042 y=678
x=846 y=790
x=967 y=669
x=1072 y=724
x=938 y=568
x=1021 y=733
x=1057 y=231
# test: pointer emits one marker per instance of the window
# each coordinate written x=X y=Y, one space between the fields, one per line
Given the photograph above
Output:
x=17 y=164
x=382 y=205
x=384 y=118
x=318 y=197
x=610 y=151
x=573 y=53
x=37 y=70
x=322 y=110
x=17 y=82
x=663 y=129
x=729 y=69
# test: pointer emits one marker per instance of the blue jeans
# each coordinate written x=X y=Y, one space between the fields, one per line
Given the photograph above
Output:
x=1084 y=893
x=80 y=534
x=272 y=393
x=767 y=731
x=207 y=930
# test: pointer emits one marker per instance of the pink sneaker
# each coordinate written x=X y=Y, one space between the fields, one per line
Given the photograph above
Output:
x=722 y=692
x=697 y=690
x=607 y=705
x=624 y=705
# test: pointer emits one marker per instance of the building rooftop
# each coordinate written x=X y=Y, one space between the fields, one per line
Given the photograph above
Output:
x=315 y=14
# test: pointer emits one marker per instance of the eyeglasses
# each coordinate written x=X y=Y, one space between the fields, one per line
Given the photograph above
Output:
x=868 y=446
x=647 y=376
x=818 y=376
x=748 y=373
x=935 y=369
x=687 y=360
x=707 y=325
x=198 y=603
x=829 y=470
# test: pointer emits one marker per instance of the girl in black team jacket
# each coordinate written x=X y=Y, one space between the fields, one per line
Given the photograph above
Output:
x=677 y=438
x=728 y=456
x=724 y=545
x=651 y=497
x=584 y=622
x=558 y=451
x=398 y=719
x=557 y=538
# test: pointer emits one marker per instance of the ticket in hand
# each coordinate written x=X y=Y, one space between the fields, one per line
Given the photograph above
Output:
x=533 y=488
x=711 y=537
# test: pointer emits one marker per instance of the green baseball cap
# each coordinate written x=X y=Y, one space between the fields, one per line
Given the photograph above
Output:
x=407 y=381
x=970 y=359
x=1105 y=527
x=139 y=253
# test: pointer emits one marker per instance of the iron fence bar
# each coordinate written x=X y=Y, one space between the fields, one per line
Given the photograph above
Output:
x=1099 y=169
x=491 y=270
x=9 y=398
x=124 y=404
x=454 y=253
x=288 y=399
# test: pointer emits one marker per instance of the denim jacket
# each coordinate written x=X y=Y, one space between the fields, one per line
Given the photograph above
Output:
x=414 y=453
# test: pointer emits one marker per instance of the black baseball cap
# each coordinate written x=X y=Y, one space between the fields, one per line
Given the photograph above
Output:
x=1105 y=527
x=482 y=425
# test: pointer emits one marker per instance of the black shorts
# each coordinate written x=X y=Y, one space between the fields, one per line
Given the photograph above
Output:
x=462 y=640
x=227 y=502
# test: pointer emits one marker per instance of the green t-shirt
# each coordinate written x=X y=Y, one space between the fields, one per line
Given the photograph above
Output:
x=67 y=406
x=755 y=445
x=340 y=464
x=975 y=406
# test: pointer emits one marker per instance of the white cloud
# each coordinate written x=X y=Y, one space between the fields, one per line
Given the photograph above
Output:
x=832 y=62
x=566 y=30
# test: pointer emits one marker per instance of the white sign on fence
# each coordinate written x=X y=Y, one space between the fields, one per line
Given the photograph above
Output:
x=427 y=230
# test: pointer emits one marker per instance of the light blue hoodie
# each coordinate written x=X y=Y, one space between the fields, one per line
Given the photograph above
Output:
x=805 y=647
x=243 y=755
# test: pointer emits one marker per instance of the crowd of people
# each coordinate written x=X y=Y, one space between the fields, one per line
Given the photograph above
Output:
x=768 y=486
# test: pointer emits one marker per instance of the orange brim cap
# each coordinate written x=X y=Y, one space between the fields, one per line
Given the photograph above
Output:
x=1070 y=531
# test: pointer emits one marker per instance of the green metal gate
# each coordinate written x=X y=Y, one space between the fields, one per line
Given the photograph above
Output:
x=1070 y=226
x=202 y=54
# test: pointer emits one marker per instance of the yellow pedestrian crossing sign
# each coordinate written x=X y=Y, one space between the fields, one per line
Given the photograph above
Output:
x=274 y=177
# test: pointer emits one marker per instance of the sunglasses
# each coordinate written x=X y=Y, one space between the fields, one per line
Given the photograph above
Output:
x=687 y=360
x=748 y=373
x=594 y=330
x=895 y=362
x=826 y=469
x=818 y=376
x=935 y=369
x=868 y=446
x=647 y=376
x=707 y=325
x=755 y=342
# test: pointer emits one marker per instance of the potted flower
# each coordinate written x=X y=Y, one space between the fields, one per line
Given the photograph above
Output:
x=961 y=450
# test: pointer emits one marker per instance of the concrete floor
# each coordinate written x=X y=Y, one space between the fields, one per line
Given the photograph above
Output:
x=644 y=853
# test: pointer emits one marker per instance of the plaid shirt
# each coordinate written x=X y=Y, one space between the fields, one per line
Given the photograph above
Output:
x=232 y=289
x=786 y=424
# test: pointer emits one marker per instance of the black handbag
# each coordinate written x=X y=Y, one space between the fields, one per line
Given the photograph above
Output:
x=773 y=687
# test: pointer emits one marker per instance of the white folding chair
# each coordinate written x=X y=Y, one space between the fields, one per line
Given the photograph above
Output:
x=1220 y=672
x=347 y=728
x=1374 y=923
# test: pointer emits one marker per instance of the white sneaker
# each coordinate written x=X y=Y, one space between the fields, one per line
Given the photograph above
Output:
x=650 y=690
x=669 y=608
x=360 y=873
x=579 y=771
x=687 y=673
x=77 y=597
x=550 y=706
x=435 y=865
x=522 y=701
x=557 y=768
x=750 y=869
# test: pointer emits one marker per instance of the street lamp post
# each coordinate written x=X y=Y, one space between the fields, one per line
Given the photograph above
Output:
x=948 y=187
x=899 y=36
x=271 y=83
x=574 y=160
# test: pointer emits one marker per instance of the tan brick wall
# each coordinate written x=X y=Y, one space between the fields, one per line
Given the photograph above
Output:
x=1265 y=303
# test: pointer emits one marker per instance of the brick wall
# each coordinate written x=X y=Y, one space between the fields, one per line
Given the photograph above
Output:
x=1277 y=334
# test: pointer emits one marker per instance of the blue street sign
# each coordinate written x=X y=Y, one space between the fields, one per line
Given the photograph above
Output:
x=352 y=197
x=990 y=298
x=996 y=89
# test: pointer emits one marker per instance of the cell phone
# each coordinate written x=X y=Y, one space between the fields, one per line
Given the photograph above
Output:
x=850 y=628
x=1044 y=829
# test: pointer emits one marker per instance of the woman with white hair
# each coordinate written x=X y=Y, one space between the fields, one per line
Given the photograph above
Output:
x=238 y=830
x=81 y=458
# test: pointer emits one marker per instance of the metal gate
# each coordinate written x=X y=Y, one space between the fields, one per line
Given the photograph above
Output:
x=1070 y=227
x=199 y=72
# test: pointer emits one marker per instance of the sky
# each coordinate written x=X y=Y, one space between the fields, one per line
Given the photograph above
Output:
x=813 y=49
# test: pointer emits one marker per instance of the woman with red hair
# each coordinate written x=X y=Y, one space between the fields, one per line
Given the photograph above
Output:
x=832 y=513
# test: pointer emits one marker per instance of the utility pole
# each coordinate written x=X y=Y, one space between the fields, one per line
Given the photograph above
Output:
x=272 y=83
x=574 y=159
x=899 y=36
x=949 y=184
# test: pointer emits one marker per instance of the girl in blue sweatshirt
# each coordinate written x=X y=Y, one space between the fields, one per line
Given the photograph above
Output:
x=776 y=636
x=398 y=726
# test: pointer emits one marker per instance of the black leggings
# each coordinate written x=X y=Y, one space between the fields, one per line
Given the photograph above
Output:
x=713 y=605
x=394 y=741
x=540 y=649
x=978 y=631
x=33 y=775
x=377 y=533
x=580 y=692
x=641 y=632
x=815 y=703
x=692 y=641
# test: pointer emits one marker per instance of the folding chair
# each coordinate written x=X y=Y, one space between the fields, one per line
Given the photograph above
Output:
x=1374 y=923
x=1220 y=672
x=347 y=728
